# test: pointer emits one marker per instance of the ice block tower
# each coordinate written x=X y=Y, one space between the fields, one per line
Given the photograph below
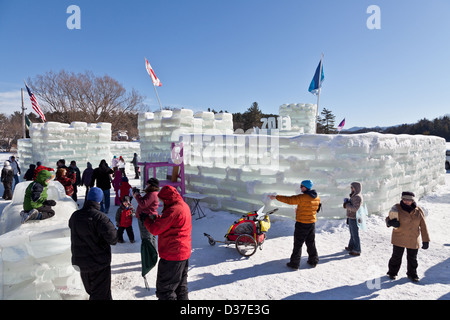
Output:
x=157 y=130
x=303 y=117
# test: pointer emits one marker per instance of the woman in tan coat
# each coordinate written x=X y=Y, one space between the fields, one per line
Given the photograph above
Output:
x=408 y=221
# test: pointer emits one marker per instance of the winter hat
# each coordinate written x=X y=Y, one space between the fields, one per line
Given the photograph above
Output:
x=124 y=179
x=7 y=164
x=153 y=182
x=407 y=195
x=308 y=184
x=95 y=194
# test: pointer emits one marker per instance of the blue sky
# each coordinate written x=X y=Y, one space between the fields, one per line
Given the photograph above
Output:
x=227 y=54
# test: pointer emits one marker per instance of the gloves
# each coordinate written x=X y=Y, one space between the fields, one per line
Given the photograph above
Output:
x=143 y=217
x=425 y=245
x=346 y=200
x=392 y=223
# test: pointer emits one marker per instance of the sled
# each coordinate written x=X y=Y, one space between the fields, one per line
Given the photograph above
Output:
x=361 y=217
x=248 y=233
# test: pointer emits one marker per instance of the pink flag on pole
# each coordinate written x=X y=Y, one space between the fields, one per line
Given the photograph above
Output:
x=156 y=81
x=341 y=125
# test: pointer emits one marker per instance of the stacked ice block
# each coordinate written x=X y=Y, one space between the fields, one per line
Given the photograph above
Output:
x=79 y=141
x=158 y=129
x=35 y=257
x=303 y=117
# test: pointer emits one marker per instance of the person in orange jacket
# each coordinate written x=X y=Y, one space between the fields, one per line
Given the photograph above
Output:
x=308 y=203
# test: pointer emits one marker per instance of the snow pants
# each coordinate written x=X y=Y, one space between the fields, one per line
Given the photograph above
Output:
x=98 y=283
x=171 y=280
x=396 y=261
x=129 y=230
x=7 y=193
x=304 y=233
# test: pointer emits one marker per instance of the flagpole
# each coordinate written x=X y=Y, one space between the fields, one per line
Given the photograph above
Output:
x=160 y=107
x=318 y=92
x=24 y=132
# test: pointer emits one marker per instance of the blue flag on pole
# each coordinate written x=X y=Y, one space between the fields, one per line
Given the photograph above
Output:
x=315 y=86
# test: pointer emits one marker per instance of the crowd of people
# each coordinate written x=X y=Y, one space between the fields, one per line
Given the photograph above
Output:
x=406 y=218
x=92 y=232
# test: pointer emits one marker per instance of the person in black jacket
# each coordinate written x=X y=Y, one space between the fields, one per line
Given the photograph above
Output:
x=103 y=176
x=30 y=173
x=73 y=168
x=135 y=165
x=92 y=233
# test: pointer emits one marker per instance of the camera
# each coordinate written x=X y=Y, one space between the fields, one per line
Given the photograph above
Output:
x=136 y=190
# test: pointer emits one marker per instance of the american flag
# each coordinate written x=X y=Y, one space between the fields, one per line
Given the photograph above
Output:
x=156 y=81
x=35 y=104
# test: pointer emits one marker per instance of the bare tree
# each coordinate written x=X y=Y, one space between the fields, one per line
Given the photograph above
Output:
x=84 y=97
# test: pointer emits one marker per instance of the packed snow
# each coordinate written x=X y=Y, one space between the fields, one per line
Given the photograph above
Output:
x=219 y=272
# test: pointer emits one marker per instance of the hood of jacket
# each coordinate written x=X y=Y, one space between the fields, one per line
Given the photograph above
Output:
x=169 y=195
x=312 y=193
x=7 y=165
x=43 y=176
x=357 y=186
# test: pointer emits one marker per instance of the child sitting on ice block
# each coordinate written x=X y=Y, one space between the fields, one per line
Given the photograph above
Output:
x=35 y=204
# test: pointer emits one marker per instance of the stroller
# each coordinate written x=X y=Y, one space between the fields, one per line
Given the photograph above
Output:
x=248 y=233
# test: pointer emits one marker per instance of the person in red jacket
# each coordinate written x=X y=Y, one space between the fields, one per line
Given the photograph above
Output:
x=173 y=228
x=66 y=180
x=124 y=219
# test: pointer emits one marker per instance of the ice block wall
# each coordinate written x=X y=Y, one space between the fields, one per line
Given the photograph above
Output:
x=25 y=153
x=79 y=141
x=238 y=171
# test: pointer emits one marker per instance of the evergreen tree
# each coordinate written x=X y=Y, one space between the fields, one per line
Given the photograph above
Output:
x=325 y=122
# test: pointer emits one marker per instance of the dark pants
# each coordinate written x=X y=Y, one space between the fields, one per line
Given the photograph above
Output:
x=98 y=283
x=136 y=172
x=304 y=233
x=46 y=212
x=75 y=191
x=129 y=230
x=396 y=261
x=171 y=281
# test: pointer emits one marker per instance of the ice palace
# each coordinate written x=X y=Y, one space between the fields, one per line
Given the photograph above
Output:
x=236 y=172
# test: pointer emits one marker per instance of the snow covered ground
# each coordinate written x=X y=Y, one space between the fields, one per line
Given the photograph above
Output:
x=221 y=273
